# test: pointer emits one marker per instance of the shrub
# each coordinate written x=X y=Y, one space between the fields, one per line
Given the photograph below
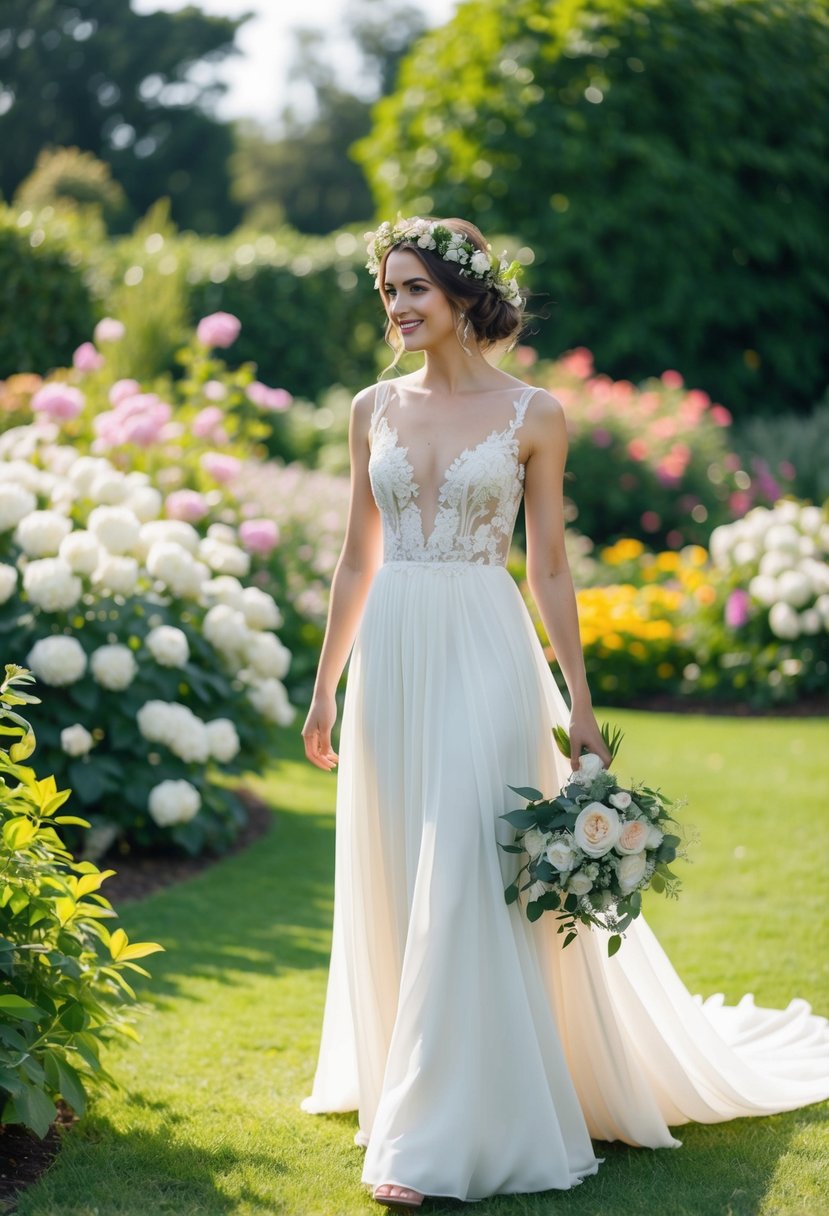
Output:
x=69 y=176
x=643 y=149
x=46 y=305
x=652 y=460
x=65 y=993
x=788 y=447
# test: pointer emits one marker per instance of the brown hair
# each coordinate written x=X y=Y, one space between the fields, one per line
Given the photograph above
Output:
x=491 y=317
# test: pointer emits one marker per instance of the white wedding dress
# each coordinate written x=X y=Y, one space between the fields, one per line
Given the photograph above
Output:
x=480 y=1056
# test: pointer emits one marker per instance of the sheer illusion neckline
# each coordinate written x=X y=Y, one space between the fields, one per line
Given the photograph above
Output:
x=415 y=488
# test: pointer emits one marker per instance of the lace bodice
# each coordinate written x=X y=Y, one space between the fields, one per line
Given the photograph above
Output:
x=477 y=501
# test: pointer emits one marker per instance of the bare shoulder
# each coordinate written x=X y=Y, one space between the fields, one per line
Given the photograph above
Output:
x=545 y=422
x=362 y=408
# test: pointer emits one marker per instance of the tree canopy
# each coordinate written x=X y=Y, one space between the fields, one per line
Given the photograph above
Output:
x=135 y=90
x=667 y=160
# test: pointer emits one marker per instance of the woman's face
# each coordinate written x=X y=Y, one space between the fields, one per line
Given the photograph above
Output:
x=415 y=304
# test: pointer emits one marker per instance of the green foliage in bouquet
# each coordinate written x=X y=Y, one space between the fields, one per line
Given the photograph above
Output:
x=64 y=991
x=593 y=848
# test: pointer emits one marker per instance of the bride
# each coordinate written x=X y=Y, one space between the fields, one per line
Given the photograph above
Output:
x=480 y=1057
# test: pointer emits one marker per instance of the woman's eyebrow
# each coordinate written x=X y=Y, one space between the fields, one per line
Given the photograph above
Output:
x=407 y=282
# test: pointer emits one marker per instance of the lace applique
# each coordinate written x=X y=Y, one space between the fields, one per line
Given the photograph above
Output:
x=477 y=502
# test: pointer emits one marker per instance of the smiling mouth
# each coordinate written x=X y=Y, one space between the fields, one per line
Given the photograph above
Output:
x=406 y=327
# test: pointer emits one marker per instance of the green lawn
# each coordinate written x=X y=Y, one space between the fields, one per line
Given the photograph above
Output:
x=208 y=1120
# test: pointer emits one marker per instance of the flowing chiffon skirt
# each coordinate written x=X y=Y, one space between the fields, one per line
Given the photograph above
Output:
x=480 y=1057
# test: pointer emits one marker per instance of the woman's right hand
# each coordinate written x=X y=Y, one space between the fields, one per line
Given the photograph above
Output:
x=316 y=733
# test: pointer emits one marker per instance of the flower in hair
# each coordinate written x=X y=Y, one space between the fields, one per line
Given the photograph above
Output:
x=451 y=246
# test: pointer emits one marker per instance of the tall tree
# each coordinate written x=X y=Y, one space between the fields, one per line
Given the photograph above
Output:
x=130 y=88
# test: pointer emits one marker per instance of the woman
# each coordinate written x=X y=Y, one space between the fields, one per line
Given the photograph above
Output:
x=480 y=1057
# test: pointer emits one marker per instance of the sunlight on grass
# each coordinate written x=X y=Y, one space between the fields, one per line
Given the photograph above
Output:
x=208 y=1122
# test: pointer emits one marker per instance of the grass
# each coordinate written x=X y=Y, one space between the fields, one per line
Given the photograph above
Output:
x=208 y=1122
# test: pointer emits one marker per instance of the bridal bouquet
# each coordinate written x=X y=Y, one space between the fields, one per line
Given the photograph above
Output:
x=594 y=847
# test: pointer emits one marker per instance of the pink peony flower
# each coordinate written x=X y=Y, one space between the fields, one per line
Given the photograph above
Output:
x=268 y=398
x=188 y=505
x=59 y=401
x=218 y=329
x=214 y=390
x=739 y=502
x=206 y=421
x=221 y=468
x=578 y=362
x=721 y=415
x=736 y=608
x=109 y=330
x=122 y=389
x=86 y=358
x=259 y=535
x=672 y=379
x=525 y=356
x=663 y=428
x=638 y=449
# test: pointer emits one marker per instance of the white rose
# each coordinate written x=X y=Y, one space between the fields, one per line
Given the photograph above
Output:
x=222 y=739
x=633 y=836
x=173 y=565
x=783 y=621
x=114 y=667
x=173 y=802
x=579 y=883
x=222 y=532
x=224 y=558
x=81 y=551
x=76 y=740
x=655 y=837
x=119 y=575
x=631 y=870
x=108 y=487
x=40 y=534
x=270 y=699
x=116 y=528
x=811 y=519
x=763 y=588
x=85 y=469
x=561 y=853
x=57 y=660
x=596 y=829
x=267 y=655
x=719 y=545
x=774 y=563
x=154 y=720
x=810 y=621
x=168 y=646
x=50 y=584
x=621 y=801
x=190 y=740
x=822 y=609
x=8 y=582
x=784 y=537
x=590 y=765
x=534 y=841
x=16 y=502
x=259 y=608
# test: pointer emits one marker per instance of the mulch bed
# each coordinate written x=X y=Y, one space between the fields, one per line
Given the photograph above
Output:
x=23 y=1155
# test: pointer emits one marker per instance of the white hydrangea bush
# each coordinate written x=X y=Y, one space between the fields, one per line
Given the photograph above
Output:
x=774 y=570
x=165 y=652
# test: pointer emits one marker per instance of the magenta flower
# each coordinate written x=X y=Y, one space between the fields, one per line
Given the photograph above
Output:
x=736 y=608
x=188 y=505
x=122 y=389
x=109 y=330
x=721 y=415
x=602 y=438
x=650 y=521
x=87 y=359
x=259 y=535
x=672 y=379
x=59 y=401
x=221 y=468
x=218 y=329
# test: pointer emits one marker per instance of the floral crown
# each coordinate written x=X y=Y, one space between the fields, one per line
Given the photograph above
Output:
x=451 y=246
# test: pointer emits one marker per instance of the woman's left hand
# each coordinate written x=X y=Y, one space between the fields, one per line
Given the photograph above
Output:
x=585 y=735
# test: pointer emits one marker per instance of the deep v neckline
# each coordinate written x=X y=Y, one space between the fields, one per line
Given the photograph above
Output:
x=440 y=501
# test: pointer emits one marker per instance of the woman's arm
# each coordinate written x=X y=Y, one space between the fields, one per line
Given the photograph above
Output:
x=355 y=569
x=548 y=572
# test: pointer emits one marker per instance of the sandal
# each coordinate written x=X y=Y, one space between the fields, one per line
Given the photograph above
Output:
x=407 y=1199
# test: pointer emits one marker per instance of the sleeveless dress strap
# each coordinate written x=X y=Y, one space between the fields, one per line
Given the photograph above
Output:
x=521 y=406
x=381 y=401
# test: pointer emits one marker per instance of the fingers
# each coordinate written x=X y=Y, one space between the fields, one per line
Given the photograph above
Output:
x=318 y=747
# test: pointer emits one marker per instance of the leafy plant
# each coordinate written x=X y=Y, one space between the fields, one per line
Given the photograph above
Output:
x=64 y=991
